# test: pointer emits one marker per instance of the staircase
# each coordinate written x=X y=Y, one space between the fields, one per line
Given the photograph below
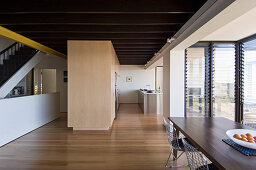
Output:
x=12 y=59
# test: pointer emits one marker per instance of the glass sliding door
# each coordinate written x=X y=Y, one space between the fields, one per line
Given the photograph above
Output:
x=224 y=80
x=195 y=82
x=249 y=108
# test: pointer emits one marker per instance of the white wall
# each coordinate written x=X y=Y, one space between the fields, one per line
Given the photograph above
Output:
x=5 y=42
x=48 y=80
x=60 y=64
x=22 y=115
x=177 y=83
x=166 y=85
x=174 y=87
x=140 y=79
x=159 y=78
x=62 y=88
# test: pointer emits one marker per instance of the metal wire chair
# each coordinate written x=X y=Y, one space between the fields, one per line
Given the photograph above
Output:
x=250 y=123
x=175 y=143
x=196 y=159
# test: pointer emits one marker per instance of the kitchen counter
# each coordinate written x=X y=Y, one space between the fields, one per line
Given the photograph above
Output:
x=145 y=92
x=151 y=103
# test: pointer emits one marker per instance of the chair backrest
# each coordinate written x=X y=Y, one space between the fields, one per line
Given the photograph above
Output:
x=194 y=157
x=250 y=123
x=171 y=133
x=168 y=126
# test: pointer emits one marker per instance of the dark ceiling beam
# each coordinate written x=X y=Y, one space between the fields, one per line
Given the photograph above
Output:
x=137 y=28
x=131 y=53
x=72 y=36
x=6 y=23
x=93 y=19
x=122 y=49
x=115 y=42
x=103 y=6
x=137 y=56
x=149 y=50
x=91 y=38
x=127 y=59
x=94 y=28
x=133 y=59
x=97 y=32
x=123 y=46
x=140 y=41
x=130 y=58
x=105 y=38
x=131 y=62
x=136 y=49
x=150 y=46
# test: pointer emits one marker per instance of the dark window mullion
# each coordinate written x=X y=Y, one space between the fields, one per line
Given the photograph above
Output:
x=208 y=80
x=211 y=79
x=239 y=82
x=186 y=84
x=212 y=69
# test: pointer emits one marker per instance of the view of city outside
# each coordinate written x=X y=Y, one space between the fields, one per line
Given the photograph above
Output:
x=224 y=81
x=195 y=104
x=250 y=81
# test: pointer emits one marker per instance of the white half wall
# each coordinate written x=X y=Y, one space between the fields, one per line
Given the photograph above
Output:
x=22 y=115
x=140 y=79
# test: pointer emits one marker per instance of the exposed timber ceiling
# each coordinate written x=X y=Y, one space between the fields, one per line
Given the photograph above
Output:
x=137 y=28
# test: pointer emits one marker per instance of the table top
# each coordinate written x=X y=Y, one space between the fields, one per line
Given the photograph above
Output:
x=207 y=134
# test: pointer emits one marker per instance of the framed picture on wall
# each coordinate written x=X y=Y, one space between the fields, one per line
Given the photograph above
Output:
x=65 y=73
x=65 y=76
x=128 y=78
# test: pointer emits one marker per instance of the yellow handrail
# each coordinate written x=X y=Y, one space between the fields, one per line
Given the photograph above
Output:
x=31 y=43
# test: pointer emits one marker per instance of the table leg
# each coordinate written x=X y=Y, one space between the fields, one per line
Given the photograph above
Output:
x=175 y=152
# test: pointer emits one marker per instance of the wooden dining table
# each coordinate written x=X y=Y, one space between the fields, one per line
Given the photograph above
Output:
x=206 y=133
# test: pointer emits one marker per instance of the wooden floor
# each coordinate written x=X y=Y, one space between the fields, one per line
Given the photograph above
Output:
x=136 y=141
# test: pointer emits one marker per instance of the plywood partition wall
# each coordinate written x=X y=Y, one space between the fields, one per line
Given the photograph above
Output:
x=91 y=84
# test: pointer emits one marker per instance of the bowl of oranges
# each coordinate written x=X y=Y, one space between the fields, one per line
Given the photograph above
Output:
x=243 y=137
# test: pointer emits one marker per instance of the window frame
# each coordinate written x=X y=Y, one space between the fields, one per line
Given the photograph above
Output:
x=239 y=77
x=197 y=45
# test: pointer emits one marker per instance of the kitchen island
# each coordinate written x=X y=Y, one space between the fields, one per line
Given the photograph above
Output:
x=151 y=103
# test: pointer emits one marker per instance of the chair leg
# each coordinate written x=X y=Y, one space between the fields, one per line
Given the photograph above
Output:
x=168 y=159
x=174 y=161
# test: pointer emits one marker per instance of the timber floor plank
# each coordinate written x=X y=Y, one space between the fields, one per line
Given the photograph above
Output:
x=135 y=141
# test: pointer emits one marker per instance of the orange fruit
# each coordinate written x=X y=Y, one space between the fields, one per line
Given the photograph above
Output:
x=237 y=136
x=248 y=135
x=243 y=136
x=251 y=141
x=244 y=139
x=250 y=138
